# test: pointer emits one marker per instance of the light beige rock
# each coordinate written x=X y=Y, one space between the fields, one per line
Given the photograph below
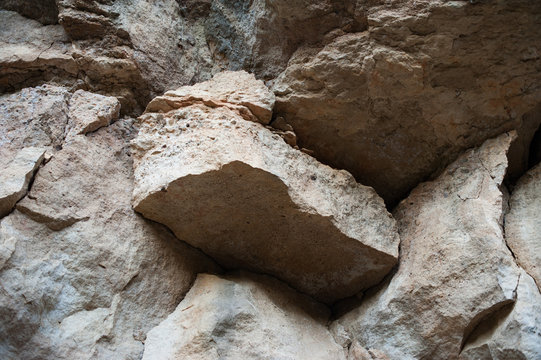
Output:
x=32 y=117
x=88 y=112
x=243 y=316
x=523 y=223
x=229 y=89
x=427 y=80
x=94 y=288
x=16 y=177
x=514 y=332
x=357 y=352
x=241 y=194
x=454 y=267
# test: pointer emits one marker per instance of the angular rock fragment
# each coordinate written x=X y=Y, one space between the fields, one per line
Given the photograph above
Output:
x=241 y=194
x=229 y=89
x=243 y=316
x=455 y=268
x=523 y=223
x=514 y=332
x=16 y=177
x=88 y=112
x=91 y=290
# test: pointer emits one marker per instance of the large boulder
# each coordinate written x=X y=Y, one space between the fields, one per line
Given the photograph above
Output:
x=246 y=198
x=243 y=316
x=426 y=81
x=455 y=268
x=523 y=223
x=83 y=276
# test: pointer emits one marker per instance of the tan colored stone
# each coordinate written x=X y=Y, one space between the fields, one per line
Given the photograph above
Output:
x=243 y=316
x=427 y=80
x=523 y=223
x=455 y=268
x=88 y=112
x=241 y=194
x=16 y=177
x=93 y=289
x=236 y=90
x=514 y=332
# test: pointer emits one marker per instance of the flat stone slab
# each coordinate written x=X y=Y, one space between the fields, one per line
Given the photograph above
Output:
x=241 y=194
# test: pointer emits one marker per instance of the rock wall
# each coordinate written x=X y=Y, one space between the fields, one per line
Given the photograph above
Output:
x=211 y=179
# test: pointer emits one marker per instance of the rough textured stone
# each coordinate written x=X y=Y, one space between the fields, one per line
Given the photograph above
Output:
x=454 y=267
x=426 y=81
x=33 y=117
x=523 y=223
x=45 y=11
x=307 y=224
x=94 y=288
x=236 y=90
x=514 y=332
x=243 y=317
x=16 y=177
x=88 y=112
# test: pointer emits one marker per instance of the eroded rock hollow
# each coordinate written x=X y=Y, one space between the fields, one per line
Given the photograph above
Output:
x=211 y=179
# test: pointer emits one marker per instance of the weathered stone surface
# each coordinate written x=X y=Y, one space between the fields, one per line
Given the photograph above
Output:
x=234 y=189
x=454 y=267
x=94 y=288
x=45 y=11
x=32 y=117
x=15 y=178
x=523 y=223
x=88 y=112
x=514 y=332
x=229 y=89
x=243 y=316
x=33 y=54
x=426 y=81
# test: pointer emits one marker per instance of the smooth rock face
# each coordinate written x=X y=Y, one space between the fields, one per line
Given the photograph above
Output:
x=428 y=80
x=454 y=267
x=241 y=194
x=229 y=89
x=514 y=332
x=15 y=178
x=243 y=316
x=88 y=112
x=94 y=288
x=523 y=223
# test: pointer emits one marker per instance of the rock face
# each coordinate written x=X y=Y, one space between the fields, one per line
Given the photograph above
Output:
x=424 y=82
x=454 y=267
x=374 y=106
x=514 y=332
x=243 y=316
x=14 y=179
x=95 y=286
x=296 y=219
x=523 y=223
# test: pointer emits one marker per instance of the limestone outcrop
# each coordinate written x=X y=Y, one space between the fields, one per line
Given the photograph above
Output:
x=241 y=194
x=455 y=268
x=270 y=179
x=243 y=316
x=523 y=223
